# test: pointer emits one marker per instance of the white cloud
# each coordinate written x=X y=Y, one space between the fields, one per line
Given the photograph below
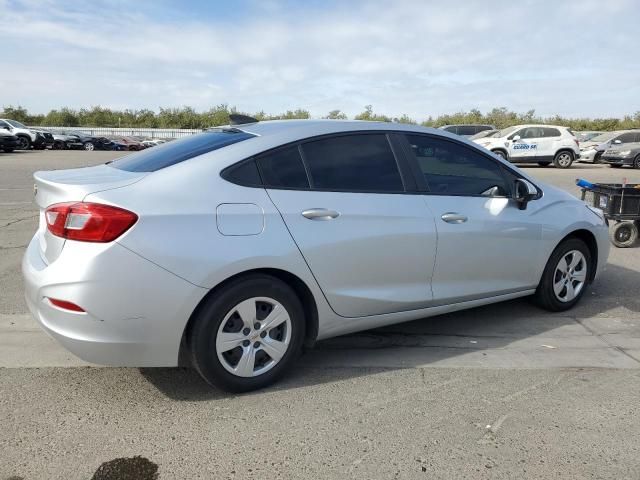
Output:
x=414 y=57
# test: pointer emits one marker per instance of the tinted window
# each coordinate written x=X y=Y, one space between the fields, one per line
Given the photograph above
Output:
x=244 y=173
x=453 y=169
x=3 y=123
x=482 y=128
x=353 y=163
x=180 y=150
x=466 y=130
x=551 y=132
x=627 y=137
x=451 y=129
x=283 y=168
x=532 y=132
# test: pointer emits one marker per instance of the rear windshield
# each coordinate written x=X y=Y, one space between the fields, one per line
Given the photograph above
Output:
x=170 y=153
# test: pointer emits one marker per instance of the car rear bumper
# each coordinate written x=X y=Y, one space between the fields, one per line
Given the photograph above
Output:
x=135 y=311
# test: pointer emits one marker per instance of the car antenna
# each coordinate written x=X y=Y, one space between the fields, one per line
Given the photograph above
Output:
x=239 y=119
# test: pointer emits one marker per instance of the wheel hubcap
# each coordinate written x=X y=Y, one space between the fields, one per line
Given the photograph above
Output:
x=253 y=337
x=623 y=234
x=22 y=142
x=570 y=276
x=564 y=159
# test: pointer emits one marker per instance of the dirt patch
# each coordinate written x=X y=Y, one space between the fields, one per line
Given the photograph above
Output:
x=135 y=468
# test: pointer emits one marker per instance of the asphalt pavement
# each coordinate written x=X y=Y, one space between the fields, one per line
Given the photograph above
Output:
x=503 y=391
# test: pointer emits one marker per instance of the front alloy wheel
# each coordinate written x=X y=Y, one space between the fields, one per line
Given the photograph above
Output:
x=570 y=276
x=563 y=160
x=565 y=277
x=24 y=143
x=88 y=146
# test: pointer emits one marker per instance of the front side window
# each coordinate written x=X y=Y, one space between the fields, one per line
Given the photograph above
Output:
x=453 y=169
x=627 y=137
x=356 y=163
x=180 y=150
x=283 y=168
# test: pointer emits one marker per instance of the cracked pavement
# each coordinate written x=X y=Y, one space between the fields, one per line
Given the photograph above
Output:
x=502 y=391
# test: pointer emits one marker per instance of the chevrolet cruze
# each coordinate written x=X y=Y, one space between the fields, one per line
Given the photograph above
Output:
x=237 y=247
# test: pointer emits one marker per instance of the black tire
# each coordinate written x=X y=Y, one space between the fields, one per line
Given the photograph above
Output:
x=57 y=145
x=24 y=142
x=544 y=164
x=596 y=158
x=636 y=162
x=613 y=165
x=203 y=332
x=563 y=159
x=545 y=296
x=624 y=234
x=500 y=153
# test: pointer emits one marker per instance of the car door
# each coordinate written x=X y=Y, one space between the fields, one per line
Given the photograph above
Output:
x=549 y=143
x=523 y=149
x=370 y=245
x=487 y=246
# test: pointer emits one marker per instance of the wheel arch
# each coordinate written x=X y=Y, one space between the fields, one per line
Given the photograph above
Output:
x=592 y=244
x=503 y=150
x=300 y=288
x=565 y=149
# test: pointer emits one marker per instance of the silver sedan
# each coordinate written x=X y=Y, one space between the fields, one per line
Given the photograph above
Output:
x=237 y=247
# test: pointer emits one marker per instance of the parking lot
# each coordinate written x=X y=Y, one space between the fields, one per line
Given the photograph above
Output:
x=502 y=391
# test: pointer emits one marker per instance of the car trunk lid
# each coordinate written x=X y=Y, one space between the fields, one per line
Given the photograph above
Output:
x=72 y=185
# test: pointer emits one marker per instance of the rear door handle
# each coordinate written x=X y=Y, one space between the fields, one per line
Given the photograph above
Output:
x=453 y=217
x=320 y=214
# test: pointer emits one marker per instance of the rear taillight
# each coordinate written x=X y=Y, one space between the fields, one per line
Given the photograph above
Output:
x=64 y=305
x=88 y=222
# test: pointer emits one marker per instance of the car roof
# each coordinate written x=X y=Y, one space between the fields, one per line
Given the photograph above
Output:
x=308 y=128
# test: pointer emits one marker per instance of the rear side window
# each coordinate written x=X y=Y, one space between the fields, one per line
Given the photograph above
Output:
x=551 y=132
x=283 y=168
x=467 y=130
x=451 y=129
x=177 y=151
x=453 y=169
x=362 y=162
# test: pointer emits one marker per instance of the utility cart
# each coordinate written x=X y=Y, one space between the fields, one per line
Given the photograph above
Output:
x=621 y=204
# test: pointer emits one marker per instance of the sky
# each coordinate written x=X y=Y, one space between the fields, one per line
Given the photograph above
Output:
x=421 y=58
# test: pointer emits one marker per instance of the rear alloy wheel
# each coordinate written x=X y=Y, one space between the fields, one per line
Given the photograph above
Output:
x=563 y=159
x=624 y=234
x=544 y=164
x=248 y=334
x=89 y=146
x=24 y=143
x=636 y=162
x=500 y=153
x=565 y=276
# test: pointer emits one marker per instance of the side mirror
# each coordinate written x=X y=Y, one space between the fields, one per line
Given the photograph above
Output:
x=5 y=127
x=523 y=192
x=617 y=141
x=516 y=138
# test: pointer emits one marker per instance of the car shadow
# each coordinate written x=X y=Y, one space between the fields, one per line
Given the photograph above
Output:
x=473 y=333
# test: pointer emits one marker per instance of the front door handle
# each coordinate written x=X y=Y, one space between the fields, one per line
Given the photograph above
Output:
x=452 y=217
x=320 y=214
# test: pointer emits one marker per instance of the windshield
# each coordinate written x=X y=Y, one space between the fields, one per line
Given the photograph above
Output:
x=485 y=134
x=13 y=123
x=604 y=137
x=506 y=131
x=178 y=151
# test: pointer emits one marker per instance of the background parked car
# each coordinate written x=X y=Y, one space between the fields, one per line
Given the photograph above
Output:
x=26 y=136
x=64 y=141
x=629 y=154
x=541 y=144
x=131 y=143
x=592 y=150
x=8 y=141
x=467 y=130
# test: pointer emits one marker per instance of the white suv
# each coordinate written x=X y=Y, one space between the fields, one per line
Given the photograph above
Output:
x=26 y=136
x=541 y=144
